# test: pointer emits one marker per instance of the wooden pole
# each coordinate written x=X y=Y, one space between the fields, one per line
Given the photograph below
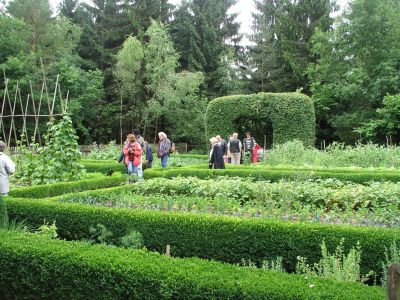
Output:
x=54 y=96
x=168 y=251
x=36 y=130
x=45 y=86
x=2 y=110
x=393 y=282
x=12 y=127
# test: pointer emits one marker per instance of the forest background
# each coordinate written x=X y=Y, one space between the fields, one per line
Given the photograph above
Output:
x=154 y=66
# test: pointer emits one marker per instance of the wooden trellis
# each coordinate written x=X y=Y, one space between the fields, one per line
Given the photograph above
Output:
x=30 y=108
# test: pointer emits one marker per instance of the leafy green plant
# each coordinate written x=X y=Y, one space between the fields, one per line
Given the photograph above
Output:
x=392 y=255
x=133 y=239
x=104 y=152
x=47 y=230
x=274 y=265
x=100 y=234
x=58 y=161
x=338 y=266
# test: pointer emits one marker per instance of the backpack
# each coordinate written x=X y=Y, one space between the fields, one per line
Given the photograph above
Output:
x=131 y=155
x=172 y=149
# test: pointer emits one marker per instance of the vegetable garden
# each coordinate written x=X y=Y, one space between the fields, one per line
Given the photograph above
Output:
x=265 y=231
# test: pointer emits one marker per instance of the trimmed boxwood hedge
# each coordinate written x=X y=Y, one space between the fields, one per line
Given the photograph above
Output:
x=55 y=189
x=222 y=238
x=104 y=167
x=292 y=115
x=274 y=174
x=33 y=266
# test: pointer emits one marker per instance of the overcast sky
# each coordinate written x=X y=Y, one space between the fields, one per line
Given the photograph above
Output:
x=244 y=8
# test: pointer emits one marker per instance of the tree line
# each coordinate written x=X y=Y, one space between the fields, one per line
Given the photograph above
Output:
x=150 y=65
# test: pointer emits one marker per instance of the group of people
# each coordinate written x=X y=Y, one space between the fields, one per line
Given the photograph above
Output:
x=134 y=148
x=230 y=152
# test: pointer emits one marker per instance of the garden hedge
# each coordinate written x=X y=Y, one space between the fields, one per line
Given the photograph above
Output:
x=3 y=214
x=227 y=239
x=55 y=189
x=292 y=115
x=273 y=174
x=104 y=167
x=37 y=267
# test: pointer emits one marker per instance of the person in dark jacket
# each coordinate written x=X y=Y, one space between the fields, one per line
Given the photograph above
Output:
x=235 y=148
x=216 y=155
x=149 y=155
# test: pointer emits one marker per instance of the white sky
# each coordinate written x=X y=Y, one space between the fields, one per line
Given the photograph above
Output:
x=244 y=8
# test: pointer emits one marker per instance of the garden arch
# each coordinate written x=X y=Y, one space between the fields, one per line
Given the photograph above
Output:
x=292 y=115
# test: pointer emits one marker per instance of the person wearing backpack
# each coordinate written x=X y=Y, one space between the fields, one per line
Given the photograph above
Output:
x=140 y=141
x=133 y=155
x=163 y=149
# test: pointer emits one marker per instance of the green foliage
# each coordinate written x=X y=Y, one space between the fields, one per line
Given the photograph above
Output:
x=392 y=255
x=275 y=174
x=356 y=67
x=100 y=234
x=103 y=272
x=325 y=201
x=109 y=151
x=59 y=160
x=273 y=265
x=209 y=236
x=13 y=37
x=206 y=35
x=282 y=33
x=133 y=239
x=49 y=231
x=55 y=189
x=3 y=214
x=292 y=115
x=337 y=266
x=387 y=121
x=335 y=155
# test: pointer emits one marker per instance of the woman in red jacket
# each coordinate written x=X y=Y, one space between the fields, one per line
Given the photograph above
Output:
x=133 y=154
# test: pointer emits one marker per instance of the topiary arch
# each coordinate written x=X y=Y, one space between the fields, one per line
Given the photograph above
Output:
x=292 y=115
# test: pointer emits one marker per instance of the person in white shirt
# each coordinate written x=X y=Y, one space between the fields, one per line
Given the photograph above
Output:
x=7 y=167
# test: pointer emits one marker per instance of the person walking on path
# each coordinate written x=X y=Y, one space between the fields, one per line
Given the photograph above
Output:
x=216 y=155
x=149 y=155
x=7 y=168
x=140 y=141
x=163 y=148
x=133 y=155
x=235 y=148
x=248 y=144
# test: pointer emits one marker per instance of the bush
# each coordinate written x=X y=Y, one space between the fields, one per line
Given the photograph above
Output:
x=54 y=269
x=292 y=115
x=276 y=174
x=227 y=239
x=104 y=167
x=3 y=214
x=55 y=189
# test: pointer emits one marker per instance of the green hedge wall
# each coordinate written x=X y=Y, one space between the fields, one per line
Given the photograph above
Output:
x=55 y=189
x=35 y=267
x=292 y=115
x=273 y=174
x=227 y=239
x=106 y=167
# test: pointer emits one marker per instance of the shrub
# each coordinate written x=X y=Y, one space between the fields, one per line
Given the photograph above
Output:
x=275 y=174
x=292 y=115
x=55 y=269
x=3 y=214
x=104 y=167
x=227 y=239
x=55 y=189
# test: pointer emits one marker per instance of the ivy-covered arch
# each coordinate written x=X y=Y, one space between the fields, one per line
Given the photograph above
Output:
x=292 y=115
